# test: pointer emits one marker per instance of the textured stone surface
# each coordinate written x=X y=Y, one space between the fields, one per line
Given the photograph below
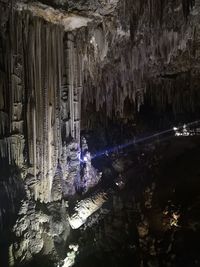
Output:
x=85 y=208
x=124 y=52
x=40 y=228
x=60 y=63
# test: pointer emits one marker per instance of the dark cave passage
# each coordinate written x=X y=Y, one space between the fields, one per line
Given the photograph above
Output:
x=155 y=190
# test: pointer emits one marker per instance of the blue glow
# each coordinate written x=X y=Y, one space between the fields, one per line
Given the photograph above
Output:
x=141 y=140
x=82 y=158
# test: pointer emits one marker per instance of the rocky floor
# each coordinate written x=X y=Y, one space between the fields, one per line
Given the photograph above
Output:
x=154 y=220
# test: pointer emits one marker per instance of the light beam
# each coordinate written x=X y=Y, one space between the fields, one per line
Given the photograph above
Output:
x=141 y=140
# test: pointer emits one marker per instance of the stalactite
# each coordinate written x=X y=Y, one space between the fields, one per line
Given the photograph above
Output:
x=132 y=61
x=4 y=123
x=187 y=5
x=43 y=112
x=43 y=85
x=31 y=118
x=71 y=89
x=176 y=93
x=49 y=77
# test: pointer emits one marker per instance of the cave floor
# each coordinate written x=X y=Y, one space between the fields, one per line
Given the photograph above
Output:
x=155 y=219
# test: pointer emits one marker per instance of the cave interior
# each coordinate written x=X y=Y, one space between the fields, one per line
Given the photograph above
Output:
x=99 y=133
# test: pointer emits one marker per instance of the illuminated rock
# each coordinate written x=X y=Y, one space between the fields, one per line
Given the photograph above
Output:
x=71 y=60
x=71 y=255
x=91 y=176
x=68 y=20
x=54 y=63
x=37 y=230
x=143 y=229
x=85 y=208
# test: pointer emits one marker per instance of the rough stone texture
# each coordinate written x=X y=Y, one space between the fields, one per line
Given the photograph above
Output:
x=40 y=101
x=152 y=57
x=57 y=65
x=126 y=52
x=40 y=97
x=40 y=228
x=90 y=177
x=71 y=255
x=85 y=208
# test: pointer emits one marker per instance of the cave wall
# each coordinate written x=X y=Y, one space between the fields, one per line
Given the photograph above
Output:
x=40 y=97
x=40 y=90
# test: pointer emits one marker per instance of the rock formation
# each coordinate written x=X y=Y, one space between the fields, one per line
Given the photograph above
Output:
x=53 y=61
x=63 y=62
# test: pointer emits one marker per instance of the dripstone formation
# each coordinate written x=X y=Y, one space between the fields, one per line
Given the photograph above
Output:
x=61 y=63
